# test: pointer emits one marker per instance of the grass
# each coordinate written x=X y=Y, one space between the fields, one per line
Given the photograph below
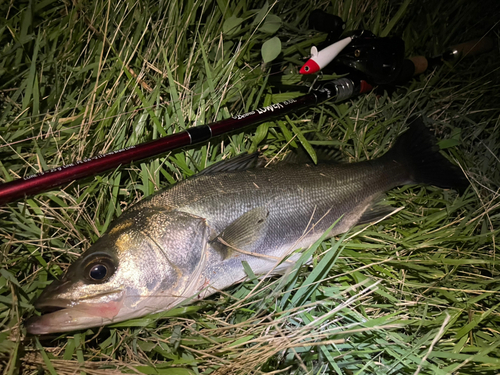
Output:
x=417 y=293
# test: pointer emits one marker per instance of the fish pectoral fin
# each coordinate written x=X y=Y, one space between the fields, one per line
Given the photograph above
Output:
x=244 y=234
x=376 y=211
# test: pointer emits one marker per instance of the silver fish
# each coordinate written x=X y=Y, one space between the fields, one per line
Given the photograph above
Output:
x=189 y=241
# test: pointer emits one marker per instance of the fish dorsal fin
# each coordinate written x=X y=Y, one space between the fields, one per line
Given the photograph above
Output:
x=241 y=162
x=324 y=154
x=244 y=234
x=314 y=52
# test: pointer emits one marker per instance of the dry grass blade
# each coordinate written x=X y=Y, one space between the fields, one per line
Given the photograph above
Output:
x=415 y=293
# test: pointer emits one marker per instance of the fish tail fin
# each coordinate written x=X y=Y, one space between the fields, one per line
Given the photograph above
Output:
x=417 y=151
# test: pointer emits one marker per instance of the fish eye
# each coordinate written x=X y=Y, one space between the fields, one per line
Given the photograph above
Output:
x=99 y=270
x=306 y=68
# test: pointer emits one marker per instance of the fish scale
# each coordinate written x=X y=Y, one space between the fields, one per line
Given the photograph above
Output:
x=303 y=201
x=189 y=241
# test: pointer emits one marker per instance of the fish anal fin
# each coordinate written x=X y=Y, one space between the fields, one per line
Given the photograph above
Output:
x=244 y=234
x=376 y=211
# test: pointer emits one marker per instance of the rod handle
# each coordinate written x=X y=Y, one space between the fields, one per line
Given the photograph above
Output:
x=420 y=64
x=472 y=47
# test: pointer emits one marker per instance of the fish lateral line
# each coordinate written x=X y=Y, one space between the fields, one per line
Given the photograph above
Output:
x=221 y=215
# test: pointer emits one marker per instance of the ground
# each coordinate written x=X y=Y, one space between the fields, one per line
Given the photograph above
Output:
x=416 y=293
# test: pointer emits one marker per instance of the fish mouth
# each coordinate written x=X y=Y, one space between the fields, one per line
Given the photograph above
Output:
x=50 y=309
x=61 y=315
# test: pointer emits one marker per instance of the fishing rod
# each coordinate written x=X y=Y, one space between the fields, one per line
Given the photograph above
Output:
x=337 y=90
x=366 y=59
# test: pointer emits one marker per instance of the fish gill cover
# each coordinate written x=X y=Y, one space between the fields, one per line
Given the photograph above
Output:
x=414 y=293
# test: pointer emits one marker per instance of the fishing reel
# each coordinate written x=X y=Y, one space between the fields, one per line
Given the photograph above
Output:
x=380 y=61
x=327 y=23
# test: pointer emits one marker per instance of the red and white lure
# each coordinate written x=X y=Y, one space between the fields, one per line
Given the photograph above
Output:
x=320 y=59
